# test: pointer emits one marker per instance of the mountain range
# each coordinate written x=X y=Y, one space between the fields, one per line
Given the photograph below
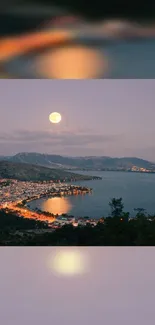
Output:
x=75 y=163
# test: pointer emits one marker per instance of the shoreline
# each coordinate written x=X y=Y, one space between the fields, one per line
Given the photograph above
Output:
x=116 y=170
x=21 y=208
x=79 y=190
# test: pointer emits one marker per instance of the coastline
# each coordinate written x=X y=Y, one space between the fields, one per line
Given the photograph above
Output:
x=116 y=170
x=41 y=190
x=21 y=208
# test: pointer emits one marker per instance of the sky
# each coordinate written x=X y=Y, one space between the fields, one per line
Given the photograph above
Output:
x=99 y=117
x=119 y=287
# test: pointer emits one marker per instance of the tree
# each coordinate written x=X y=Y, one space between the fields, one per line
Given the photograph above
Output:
x=117 y=207
x=140 y=213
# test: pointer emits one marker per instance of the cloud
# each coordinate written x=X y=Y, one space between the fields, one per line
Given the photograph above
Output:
x=64 y=138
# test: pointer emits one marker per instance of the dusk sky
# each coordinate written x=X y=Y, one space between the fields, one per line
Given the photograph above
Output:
x=118 y=289
x=99 y=117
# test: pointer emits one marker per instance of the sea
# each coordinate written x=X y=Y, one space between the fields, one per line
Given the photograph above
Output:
x=136 y=189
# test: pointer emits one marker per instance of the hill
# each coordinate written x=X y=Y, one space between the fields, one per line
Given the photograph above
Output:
x=90 y=163
x=29 y=172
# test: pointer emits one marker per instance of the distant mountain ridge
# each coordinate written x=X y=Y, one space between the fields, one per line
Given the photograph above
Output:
x=88 y=162
x=28 y=172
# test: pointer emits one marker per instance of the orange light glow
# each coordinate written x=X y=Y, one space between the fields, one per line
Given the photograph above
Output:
x=57 y=205
x=72 y=63
x=12 y=46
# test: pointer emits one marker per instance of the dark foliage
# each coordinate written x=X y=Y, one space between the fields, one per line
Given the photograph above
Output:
x=11 y=222
x=116 y=230
x=103 y=9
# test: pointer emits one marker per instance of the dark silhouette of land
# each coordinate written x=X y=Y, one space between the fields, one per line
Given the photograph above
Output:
x=29 y=172
x=99 y=9
x=92 y=11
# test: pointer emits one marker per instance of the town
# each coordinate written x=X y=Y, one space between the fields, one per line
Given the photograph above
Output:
x=15 y=196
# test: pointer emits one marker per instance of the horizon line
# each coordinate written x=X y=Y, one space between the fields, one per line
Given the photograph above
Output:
x=79 y=156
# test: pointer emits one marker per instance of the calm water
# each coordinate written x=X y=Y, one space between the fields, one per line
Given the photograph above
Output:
x=137 y=191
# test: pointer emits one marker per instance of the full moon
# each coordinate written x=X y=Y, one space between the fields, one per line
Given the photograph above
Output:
x=68 y=263
x=55 y=117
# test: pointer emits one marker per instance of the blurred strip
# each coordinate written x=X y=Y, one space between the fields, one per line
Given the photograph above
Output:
x=19 y=45
x=62 y=45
